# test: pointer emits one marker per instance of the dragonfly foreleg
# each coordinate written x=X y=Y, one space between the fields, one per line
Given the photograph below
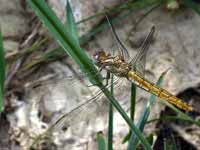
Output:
x=102 y=67
x=107 y=77
x=107 y=74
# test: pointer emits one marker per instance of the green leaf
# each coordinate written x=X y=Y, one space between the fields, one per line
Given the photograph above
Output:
x=69 y=44
x=2 y=71
x=70 y=22
x=101 y=141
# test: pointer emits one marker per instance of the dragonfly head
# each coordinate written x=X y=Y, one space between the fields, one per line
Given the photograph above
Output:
x=99 y=57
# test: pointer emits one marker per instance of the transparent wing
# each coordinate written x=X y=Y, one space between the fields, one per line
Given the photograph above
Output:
x=84 y=110
x=123 y=51
x=54 y=80
x=81 y=112
x=139 y=61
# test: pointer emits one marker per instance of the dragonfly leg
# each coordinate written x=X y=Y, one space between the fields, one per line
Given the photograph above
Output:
x=99 y=70
x=102 y=67
x=104 y=78
x=107 y=77
x=107 y=73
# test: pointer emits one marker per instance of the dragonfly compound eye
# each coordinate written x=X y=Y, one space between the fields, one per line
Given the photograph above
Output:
x=99 y=55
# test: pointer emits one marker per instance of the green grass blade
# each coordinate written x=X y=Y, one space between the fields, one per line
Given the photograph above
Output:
x=70 y=22
x=181 y=115
x=122 y=7
x=110 y=128
x=133 y=101
x=132 y=110
x=173 y=143
x=150 y=139
x=192 y=5
x=190 y=120
x=131 y=7
x=101 y=141
x=83 y=39
x=66 y=40
x=45 y=57
x=165 y=145
x=110 y=121
x=1 y=100
x=144 y=117
x=2 y=71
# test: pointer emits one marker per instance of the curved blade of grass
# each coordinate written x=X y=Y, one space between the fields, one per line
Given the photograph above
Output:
x=196 y=122
x=144 y=117
x=116 y=20
x=35 y=46
x=101 y=141
x=102 y=26
x=2 y=71
x=192 y=5
x=84 y=38
x=154 y=7
x=124 y=6
x=65 y=39
x=56 y=28
x=180 y=114
x=70 y=22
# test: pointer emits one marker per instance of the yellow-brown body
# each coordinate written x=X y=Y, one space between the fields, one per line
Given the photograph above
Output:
x=160 y=92
x=117 y=66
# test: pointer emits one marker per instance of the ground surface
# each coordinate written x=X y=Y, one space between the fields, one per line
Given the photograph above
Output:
x=176 y=46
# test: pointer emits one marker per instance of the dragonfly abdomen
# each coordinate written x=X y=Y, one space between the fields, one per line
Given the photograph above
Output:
x=160 y=92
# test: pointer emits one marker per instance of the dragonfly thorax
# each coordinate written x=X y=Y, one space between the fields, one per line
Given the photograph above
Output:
x=113 y=64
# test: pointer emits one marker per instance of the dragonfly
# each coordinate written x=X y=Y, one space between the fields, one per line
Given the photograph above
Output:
x=123 y=67
x=134 y=69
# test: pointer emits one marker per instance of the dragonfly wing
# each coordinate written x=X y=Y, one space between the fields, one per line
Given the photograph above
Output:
x=139 y=61
x=85 y=110
x=123 y=51
x=82 y=112
x=56 y=80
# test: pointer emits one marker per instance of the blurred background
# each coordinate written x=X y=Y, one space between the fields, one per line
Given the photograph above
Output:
x=33 y=56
